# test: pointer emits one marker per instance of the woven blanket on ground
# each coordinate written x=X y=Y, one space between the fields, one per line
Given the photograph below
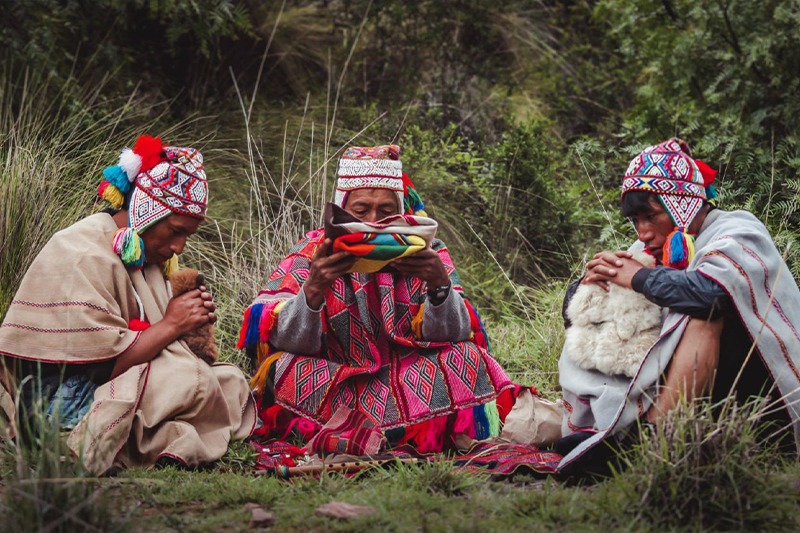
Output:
x=507 y=459
x=349 y=432
x=500 y=460
x=74 y=305
x=735 y=250
x=377 y=244
x=371 y=360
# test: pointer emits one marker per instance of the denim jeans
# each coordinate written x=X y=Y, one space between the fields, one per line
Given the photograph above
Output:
x=71 y=401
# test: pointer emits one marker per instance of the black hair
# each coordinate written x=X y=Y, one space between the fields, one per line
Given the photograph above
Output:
x=126 y=205
x=636 y=203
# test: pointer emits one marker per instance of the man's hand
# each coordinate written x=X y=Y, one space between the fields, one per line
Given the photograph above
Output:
x=426 y=265
x=190 y=310
x=324 y=270
x=611 y=267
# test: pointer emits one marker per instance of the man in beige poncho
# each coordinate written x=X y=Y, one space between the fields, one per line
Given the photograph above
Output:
x=92 y=337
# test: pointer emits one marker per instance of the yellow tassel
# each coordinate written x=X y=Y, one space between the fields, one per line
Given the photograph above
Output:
x=113 y=196
x=170 y=266
x=690 y=246
x=259 y=381
x=416 y=323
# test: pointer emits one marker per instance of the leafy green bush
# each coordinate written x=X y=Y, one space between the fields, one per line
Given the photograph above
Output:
x=724 y=77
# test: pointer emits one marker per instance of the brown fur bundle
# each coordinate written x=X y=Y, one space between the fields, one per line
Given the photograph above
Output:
x=201 y=341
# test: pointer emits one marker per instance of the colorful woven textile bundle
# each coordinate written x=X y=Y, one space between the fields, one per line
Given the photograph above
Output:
x=496 y=459
x=349 y=432
x=505 y=459
x=377 y=244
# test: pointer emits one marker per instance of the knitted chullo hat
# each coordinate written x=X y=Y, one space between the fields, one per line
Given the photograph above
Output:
x=377 y=167
x=681 y=184
x=161 y=180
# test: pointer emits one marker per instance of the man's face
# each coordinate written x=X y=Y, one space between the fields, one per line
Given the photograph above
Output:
x=653 y=226
x=371 y=205
x=167 y=237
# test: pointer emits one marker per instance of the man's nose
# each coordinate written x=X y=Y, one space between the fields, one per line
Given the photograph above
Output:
x=177 y=246
x=644 y=232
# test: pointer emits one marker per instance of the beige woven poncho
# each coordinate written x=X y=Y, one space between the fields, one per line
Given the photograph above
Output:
x=74 y=306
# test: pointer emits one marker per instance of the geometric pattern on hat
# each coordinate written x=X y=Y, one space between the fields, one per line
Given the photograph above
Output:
x=681 y=208
x=370 y=167
x=383 y=152
x=177 y=185
x=663 y=186
x=668 y=170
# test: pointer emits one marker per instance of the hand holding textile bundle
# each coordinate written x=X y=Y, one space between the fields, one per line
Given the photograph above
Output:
x=380 y=243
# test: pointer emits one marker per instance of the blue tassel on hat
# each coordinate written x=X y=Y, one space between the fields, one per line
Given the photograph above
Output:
x=117 y=177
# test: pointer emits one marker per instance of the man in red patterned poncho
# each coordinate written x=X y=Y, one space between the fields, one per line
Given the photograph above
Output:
x=400 y=346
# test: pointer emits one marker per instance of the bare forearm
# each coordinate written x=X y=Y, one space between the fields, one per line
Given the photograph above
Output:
x=149 y=344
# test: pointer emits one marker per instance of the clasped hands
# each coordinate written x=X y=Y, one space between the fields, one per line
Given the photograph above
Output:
x=190 y=310
x=611 y=267
x=325 y=268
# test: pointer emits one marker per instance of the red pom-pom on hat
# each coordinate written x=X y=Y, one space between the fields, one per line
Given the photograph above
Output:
x=151 y=151
x=708 y=173
x=407 y=182
x=102 y=187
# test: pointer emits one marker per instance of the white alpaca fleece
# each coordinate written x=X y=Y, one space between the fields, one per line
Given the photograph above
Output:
x=612 y=331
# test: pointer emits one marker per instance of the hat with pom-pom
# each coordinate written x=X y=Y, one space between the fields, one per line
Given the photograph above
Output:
x=682 y=185
x=377 y=167
x=161 y=180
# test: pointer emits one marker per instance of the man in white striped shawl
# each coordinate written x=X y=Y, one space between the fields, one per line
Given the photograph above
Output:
x=731 y=307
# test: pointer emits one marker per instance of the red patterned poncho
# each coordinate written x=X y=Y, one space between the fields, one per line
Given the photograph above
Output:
x=373 y=359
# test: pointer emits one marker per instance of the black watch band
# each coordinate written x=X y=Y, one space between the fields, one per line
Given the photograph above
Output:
x=437 y=295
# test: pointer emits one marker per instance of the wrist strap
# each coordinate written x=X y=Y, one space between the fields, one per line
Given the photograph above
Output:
x=437 y=295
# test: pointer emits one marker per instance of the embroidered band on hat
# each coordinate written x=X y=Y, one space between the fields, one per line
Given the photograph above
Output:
x=370 y=167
